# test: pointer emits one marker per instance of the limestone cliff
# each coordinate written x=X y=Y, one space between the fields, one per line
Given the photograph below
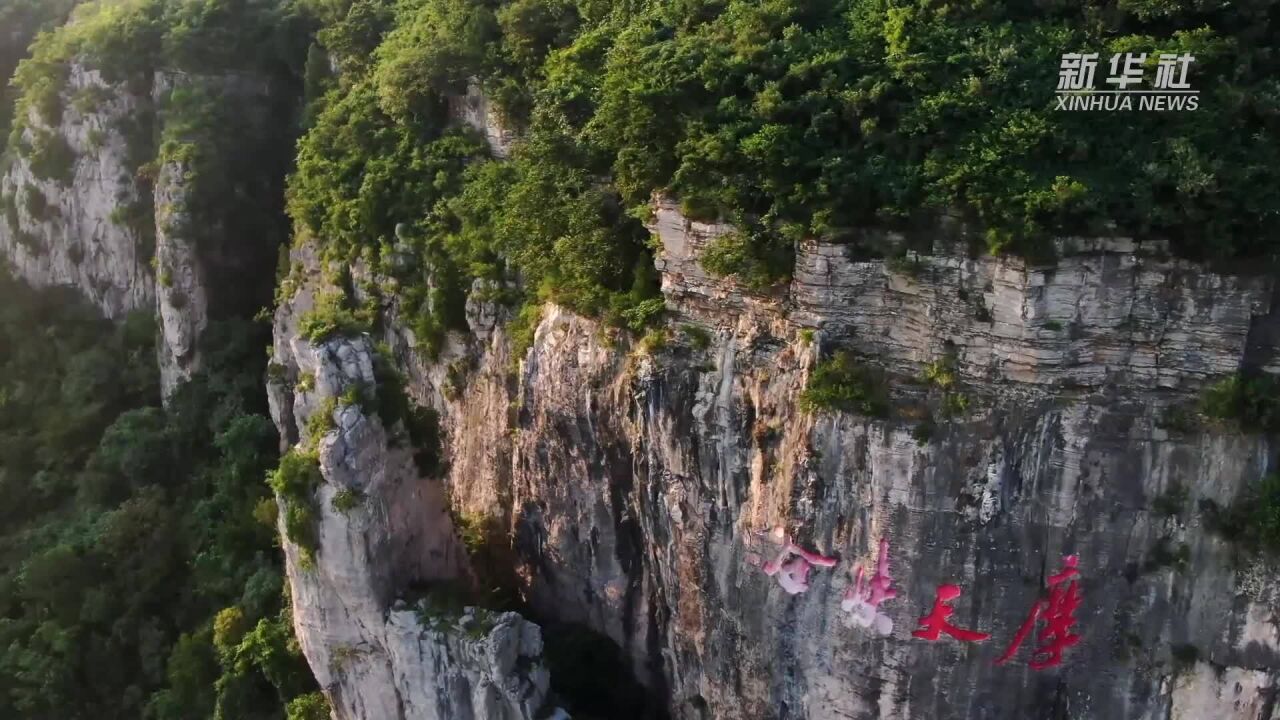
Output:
x=635 y=485
x=80 y=231
x=475 y=109
x=369 y=600
x=119 y=223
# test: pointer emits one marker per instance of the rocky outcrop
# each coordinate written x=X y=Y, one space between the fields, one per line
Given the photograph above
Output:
x=121 y=228
x=480 y=667
x=1206 y=691
x=182 y=301
x=88 y=229
x=476 y=110
x=383 y=536
x=1109 y=312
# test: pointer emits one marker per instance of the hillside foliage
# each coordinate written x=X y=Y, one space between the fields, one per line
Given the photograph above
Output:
x=140 y=574
x=127 y=529
x=789 y=118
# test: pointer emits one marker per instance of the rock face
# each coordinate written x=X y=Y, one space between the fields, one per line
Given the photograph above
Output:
x=84 y=236
x=384 y=534
x=476 y=110
x=477 y=668
x=120 y=227
x=182 y=302
x=638 y=489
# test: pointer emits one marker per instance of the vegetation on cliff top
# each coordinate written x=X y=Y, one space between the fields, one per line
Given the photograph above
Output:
x=127 y=40
x=788 y=118
x=842 y=382
x=22 y=20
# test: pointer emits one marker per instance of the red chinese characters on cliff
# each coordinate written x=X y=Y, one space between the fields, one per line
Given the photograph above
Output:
x=1058 y=613
x=792 y=566
x=862 y=599
x=933 y=625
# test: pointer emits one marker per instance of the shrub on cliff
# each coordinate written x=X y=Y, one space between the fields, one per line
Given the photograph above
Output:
x=1253 y=520
x=846 y=384
x=330 y=317
x=295 y=481
x=1266 y=513
x=311 y=706
x=22 y=20
x=1251 y=401
x=754 y=262
x=51 y=157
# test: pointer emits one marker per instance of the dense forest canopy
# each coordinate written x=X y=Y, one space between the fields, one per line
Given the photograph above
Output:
x=140 y=575
x=127 y=530
x=789 y=118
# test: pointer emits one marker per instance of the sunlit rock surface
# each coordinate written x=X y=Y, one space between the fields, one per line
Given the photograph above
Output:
x=475 y=109
x=635 y=487
x=375 y=654
x=82 y=239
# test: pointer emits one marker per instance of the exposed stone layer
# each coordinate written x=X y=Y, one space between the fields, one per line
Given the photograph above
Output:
x=635 y=485
x=1105 y=313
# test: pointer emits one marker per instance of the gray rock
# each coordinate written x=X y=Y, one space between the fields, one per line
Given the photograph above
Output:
x=76 y=242
x=96 y=234
x=636 y=488
x=367 y=646
x=476 y=110
x=483 y=313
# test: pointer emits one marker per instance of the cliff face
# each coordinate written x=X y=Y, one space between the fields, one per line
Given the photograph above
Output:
x=119 y=226
x=476 y=110
x=80 y=238
x=367 y=605
x=638 y=488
